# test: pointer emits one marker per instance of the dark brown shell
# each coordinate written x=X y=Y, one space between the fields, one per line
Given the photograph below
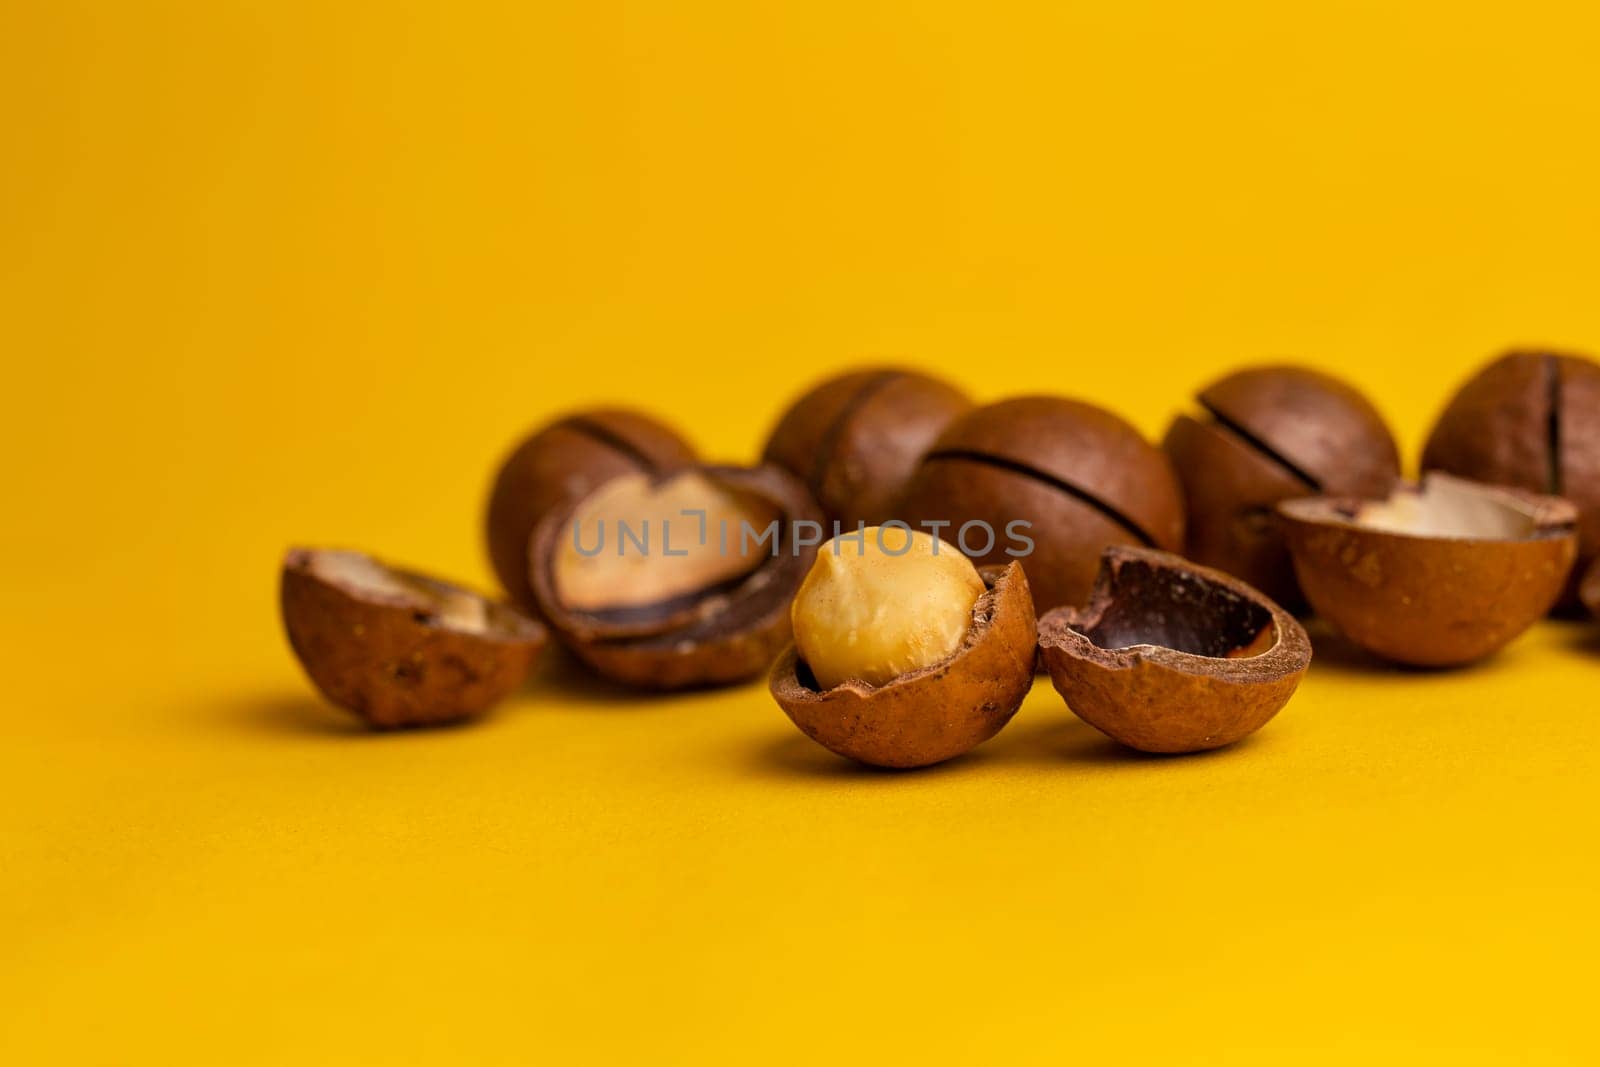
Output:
x=1314 y=423
x=1430 y=601
x=1169 y=656
x=1273 y=433
x=1082 y=476
x=1590 y=590
x=1529 y=420
x=389 y=659
x=729 y=635
x=855 y=440
x=933 y=714
x=568 y=458
x=1231 y=489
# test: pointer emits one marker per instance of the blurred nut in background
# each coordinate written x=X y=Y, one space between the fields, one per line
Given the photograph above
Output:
x=1168 y=656
x=1435 y=575
x=1270 y=434
x=854 y=440
x=1590 y=590
x=1530 y=420
x=398 y=648
x=568 y=458
x=678 y=580
x=1083 y=477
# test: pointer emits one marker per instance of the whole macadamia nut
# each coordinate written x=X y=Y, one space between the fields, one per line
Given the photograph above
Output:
x=1529 y=420
x=855 y=439
x=568 y=458
x=1269 y=434
x=1049 y=481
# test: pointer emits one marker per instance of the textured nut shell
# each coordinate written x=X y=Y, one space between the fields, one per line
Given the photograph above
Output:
x=566 y=459
x=728 y=637
x=1320 y=425
x=1231 y=489
x=855 y=440
x=379 y=660
x=1068 y=534
x=1158 y=699
x=933 y=714
x=1428 y=601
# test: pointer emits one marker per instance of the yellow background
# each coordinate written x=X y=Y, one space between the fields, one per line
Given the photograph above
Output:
x=300 y=272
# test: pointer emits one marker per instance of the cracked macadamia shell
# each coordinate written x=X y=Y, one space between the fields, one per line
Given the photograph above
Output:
x=933 y=714
x=1082 y=476
x=565 y=459
x=397 y=648
x=1529 y=420
x=724 y=629
x=855 y=439
x=1268 y=434
x=1169 y=656
x=1436 y=575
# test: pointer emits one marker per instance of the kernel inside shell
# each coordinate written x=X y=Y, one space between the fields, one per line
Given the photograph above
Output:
x=882 y=603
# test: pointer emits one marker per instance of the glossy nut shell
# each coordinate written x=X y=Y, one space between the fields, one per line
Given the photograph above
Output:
x=1083 y=477
x=855 y=440
x=1268 y=434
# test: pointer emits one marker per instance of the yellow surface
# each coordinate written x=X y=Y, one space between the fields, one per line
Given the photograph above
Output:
x=283 y=272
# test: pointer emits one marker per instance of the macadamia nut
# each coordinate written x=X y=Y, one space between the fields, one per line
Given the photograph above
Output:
x=881 y=604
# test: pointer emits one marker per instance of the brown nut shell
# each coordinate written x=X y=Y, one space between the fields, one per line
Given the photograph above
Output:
x=1589 y=590
x=720 y=636
x=1315 y=424
x=1082 y=476
x=565 y=459
x=1437 y=575
x=398 y=648
x=1268 y=434
x=1231 y=489
x=1529 y=420
x=1168 y=656
x=933 y=714
x=855 y=440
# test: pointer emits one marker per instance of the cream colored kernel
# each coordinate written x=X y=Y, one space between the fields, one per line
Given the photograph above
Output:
x=872 y=612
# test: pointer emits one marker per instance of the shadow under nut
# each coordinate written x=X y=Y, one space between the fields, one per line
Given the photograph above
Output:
x=934 y=714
